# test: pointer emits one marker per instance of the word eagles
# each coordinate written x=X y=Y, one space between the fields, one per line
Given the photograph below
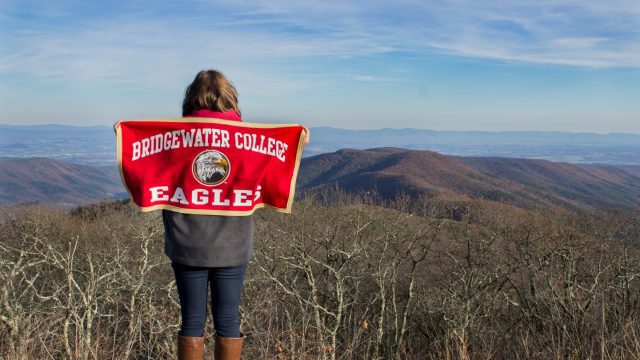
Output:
x=208 y=137
x=202 y=196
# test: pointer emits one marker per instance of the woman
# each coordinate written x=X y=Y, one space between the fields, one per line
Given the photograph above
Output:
x=209 y=249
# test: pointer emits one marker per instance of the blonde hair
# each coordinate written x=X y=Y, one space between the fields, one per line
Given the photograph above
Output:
x=210 y=90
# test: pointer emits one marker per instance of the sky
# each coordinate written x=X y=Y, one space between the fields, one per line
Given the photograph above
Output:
x=444 y=65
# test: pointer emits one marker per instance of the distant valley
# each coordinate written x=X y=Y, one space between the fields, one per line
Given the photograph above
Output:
x=579 y=148
x=95 y=145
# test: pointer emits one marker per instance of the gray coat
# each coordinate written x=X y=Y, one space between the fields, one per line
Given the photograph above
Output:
x=207 y=240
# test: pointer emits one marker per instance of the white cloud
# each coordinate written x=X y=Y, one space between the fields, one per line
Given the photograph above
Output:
x=580 y=33
x=365 y=78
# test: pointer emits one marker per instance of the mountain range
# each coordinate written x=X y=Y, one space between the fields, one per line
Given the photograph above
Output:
x=44 y=180
x=525 y=183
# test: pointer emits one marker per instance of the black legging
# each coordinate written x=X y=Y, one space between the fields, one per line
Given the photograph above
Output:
x=226 y=290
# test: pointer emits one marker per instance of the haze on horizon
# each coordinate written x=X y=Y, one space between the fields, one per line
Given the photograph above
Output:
x=448 y=65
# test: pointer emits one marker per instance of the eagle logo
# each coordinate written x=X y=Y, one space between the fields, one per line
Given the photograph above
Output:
x=211 y=167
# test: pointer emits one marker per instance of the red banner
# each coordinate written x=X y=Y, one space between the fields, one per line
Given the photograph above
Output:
x=209 y=166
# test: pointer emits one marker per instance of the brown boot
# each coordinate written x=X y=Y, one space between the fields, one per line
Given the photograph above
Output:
x=228 y=348
x=190 y=347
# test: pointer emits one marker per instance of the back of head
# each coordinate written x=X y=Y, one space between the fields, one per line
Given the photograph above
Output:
x=210 y=90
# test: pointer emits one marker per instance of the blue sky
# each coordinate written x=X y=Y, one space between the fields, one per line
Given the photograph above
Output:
x=456 y=65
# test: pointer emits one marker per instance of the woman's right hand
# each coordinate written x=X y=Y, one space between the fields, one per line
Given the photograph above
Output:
x=306 y=136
